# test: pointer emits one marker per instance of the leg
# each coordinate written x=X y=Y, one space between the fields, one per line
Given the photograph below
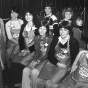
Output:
x=68 y=82
x=53 y=82
x=26 y=80
x=40 y=83
x=34 y=76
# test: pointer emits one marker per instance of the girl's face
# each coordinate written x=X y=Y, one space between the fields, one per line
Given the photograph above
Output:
x=48 y=10
x=68 y=15
x=79 y=22
x=28 y=17
x=42 y=30
x=14 y=15
x=64 y=32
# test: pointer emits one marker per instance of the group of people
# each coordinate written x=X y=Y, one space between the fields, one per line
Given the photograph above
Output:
x=45 y=52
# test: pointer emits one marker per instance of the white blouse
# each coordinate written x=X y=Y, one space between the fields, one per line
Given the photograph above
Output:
x=12 y=25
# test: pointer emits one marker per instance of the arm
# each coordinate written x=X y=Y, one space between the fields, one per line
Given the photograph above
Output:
x=21 y=40
x=37 y=49
x=74 y=49
x=2 y=30
x=74 y=66
x=51 y=52
x=1 y=60
x=9 y=35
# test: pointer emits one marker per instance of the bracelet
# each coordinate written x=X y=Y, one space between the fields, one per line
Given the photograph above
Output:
x=38 y=61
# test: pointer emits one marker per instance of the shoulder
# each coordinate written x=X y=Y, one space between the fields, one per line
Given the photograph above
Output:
x=1 y=21
x=8 y=23
x=73 y=40
x=54 y=17
x=21 y=21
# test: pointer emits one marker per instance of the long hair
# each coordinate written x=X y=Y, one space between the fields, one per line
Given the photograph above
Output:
x=31 y=11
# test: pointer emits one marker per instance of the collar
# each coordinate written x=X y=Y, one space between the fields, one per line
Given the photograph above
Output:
x=63 y=41
x=48 y=15
x=30 y=28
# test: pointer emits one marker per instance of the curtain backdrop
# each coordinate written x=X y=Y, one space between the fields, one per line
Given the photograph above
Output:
x=38 y=5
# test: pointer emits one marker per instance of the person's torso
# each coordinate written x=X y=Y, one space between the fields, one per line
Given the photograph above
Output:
x=62 y=53
x=15 y=27
x=81 y=73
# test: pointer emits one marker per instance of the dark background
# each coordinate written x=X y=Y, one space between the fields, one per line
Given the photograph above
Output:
x=38 y=5
x=78 y=6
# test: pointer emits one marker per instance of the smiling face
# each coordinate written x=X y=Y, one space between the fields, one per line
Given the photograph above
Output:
x=64 y=32
x=14 y=15
x=42 y=30
x=28 y=17
x=79 y=22
x=68 y=15
x=48 y=10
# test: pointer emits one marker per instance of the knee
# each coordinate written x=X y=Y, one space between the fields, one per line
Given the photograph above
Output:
x=51 y=84
x=35 y=72
x=26 y=71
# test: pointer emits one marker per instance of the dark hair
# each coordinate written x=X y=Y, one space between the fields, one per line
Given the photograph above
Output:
x=65 y=24
x=54 y=10
x=31 y=11
x=67 y=10
x=14 y=9
x=75 y=17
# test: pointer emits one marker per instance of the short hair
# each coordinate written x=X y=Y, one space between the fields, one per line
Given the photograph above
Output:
x=14 y=9
x=67 y=10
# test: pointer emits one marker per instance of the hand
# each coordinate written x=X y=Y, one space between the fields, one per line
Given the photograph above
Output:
x=32 y=65
x=3 y=67
x=24 y=52
x=61 y=65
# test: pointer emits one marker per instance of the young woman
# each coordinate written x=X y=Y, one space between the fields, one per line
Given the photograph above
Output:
x=2 y=50
x=31 y=71
x=78 y=31
x=79 y=72
x=62 y=53
x=67 y=15
x=13 y=27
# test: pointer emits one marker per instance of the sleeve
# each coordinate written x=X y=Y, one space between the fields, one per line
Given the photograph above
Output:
x=51 y=52
x=21 y=21
x=74 y=49
x=37 y=51
x=56 y=30
x=7 y=26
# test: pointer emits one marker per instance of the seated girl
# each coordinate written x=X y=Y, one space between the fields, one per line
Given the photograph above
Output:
x=31 y=71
